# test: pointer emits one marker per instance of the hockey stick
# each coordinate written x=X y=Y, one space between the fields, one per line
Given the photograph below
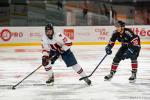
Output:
x=94 y=69
x=14 y=86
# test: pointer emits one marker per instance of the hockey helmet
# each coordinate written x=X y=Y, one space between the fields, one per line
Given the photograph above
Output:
x=49 y=26
x=120 y=24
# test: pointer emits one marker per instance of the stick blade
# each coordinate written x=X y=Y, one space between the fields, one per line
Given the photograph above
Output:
x=83 y=78
x=13 y=87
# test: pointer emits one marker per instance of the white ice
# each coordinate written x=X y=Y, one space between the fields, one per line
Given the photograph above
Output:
x=17 y=62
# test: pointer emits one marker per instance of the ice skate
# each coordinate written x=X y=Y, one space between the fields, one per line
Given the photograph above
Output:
x=87 y=81
x=132 y=79
x=109 y=76
x=50 y=81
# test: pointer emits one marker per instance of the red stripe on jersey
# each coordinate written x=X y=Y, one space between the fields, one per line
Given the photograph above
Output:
x=57 y=45
x=136 y=41
x=68 y=44
x=111 y=43
x=52 y=47
x=45 y=51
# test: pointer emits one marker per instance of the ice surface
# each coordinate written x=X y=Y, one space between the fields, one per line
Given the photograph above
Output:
x=18 y=62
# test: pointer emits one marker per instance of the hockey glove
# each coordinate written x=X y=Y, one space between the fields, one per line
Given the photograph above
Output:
x=45 y=60
x=108 y=50
x=128 y=53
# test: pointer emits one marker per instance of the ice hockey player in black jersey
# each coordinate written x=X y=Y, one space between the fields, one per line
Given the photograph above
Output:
x=130 y=48
x=55 y=45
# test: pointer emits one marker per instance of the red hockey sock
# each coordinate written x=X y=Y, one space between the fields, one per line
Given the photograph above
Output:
x=114 y=66
x=134 y=66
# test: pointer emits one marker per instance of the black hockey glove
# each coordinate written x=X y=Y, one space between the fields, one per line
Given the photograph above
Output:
x=128 y=54
x=45 y=60
x=108 y=50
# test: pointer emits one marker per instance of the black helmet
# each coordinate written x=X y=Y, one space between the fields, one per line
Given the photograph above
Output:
x=120 y=23
x=49 y=26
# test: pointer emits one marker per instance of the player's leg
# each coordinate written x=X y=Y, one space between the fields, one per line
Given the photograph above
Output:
x=80 y=71
x=50 y=73
x=114 y=67
x=116 y=61
x=70 y=60
x=134 y=66
x=53 y=55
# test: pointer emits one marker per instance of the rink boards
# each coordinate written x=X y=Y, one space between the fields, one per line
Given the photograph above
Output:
x=80 y=35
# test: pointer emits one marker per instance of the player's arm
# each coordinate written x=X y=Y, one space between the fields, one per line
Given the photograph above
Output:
x=65 y=43
x=45 y=52
x=111 y=43
x=112 y=40
x=45 y=49
x=133 y=47
x=134 y=42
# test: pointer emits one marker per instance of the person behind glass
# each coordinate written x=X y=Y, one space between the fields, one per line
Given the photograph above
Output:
x=55 y=45
x=130 y=48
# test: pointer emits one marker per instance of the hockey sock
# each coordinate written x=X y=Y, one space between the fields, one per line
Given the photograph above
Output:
x=134 y=65
x=79 y=70
x=114 y=66
x=49 y=70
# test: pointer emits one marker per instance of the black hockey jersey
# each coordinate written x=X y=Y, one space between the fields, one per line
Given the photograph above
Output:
x=127 y=38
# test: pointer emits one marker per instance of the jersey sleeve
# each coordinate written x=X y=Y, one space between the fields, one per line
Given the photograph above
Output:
x=135 y=39
x=45 y=46
x=112 y=40
x=65 y=42
x=135 y=43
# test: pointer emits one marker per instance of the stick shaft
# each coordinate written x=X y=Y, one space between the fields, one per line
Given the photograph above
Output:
x=94 y=69
x=27 y=76
x=98 y=65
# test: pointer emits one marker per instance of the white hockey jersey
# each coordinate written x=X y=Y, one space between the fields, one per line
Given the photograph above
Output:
x=59 y=41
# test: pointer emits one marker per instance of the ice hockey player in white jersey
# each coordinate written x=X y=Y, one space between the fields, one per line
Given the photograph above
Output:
x=55 y=45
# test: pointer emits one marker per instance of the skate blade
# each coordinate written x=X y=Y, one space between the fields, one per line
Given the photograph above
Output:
x=50 y=84
x=132 y=81
x=88 y=84
x=107 y=79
